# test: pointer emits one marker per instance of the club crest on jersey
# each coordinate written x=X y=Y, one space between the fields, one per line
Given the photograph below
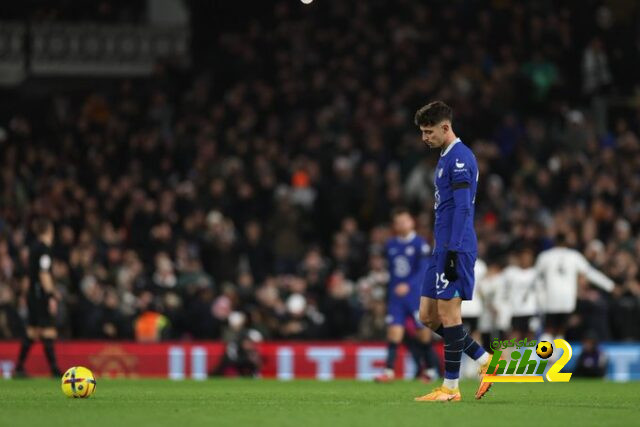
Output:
x=409 y=251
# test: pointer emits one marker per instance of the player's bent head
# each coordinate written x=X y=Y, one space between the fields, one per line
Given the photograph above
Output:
x=42 y=226
x=434 y=121
x=433 y=114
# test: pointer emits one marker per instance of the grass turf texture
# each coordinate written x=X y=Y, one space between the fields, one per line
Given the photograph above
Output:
x=311 y=403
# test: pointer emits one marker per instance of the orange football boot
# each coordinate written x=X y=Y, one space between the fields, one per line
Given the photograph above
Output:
x=483 y=388
x=441 y=394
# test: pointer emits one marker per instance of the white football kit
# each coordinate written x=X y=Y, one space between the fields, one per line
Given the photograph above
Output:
x=520 y=289
x=557 y=272
x=473 y=308
x=496 y=313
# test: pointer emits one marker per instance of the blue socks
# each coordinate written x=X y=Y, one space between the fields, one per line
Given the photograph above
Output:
x=453 y=347
x=429 y=356
x=470 y=347
x=392 y=351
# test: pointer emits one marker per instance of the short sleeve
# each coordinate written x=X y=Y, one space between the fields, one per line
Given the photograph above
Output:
x=425 y=249
x=44 y=262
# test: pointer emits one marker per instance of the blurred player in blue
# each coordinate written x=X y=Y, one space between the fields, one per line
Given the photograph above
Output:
x=407 y=255
x=449 y=278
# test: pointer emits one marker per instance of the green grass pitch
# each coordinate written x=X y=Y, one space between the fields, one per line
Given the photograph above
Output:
x=579 y=403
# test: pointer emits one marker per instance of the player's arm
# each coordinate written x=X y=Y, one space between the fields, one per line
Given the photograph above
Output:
x=47 y=283
x=45 y=276
x=394 y=286
x=461 y=186
x=593 y=275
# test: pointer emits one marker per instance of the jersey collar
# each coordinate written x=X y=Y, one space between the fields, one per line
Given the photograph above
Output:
x=444 y=153
x=408 y=238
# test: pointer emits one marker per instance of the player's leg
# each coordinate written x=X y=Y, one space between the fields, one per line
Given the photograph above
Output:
x=48 y=336
x=27 y=342
x=432 y=315
x=453 y=334
x=32 y=334
x=395 y=333
x=457 y=341
x=429 y=357
x=463 y=287
x=428 y=313
x=548 y=329
x=473 y=333
x=411 y=340
x=470 y=325
x=561 y=327
x=424 y=336
x=533 y=325
x=429 y=308
x=411 y=344
x=554 y=325
x=519 y=327
x=455 y=338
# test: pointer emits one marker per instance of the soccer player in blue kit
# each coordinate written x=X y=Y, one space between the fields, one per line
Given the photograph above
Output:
x=407 y=255
x=449 y=278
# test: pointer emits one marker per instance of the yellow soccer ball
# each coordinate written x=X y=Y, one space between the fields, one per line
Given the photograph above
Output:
x=78 y=382
x=544 y=349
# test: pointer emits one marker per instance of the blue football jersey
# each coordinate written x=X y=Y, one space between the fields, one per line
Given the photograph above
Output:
x=406 y=259
x=457 y=165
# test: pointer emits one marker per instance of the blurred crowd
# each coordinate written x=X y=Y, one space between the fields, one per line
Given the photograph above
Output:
x=256 y=192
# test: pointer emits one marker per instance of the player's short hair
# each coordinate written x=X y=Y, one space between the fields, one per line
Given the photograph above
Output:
x=433 y=113
x=400 y=210
x=41 y=226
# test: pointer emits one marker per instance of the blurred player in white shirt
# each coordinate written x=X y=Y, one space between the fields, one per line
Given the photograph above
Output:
x=557 y=271
x=472 y=309
x=519 y=284
x=494 y=320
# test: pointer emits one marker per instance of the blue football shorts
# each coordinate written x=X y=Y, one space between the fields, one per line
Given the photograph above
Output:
x=436 y=286
x=399 y=309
